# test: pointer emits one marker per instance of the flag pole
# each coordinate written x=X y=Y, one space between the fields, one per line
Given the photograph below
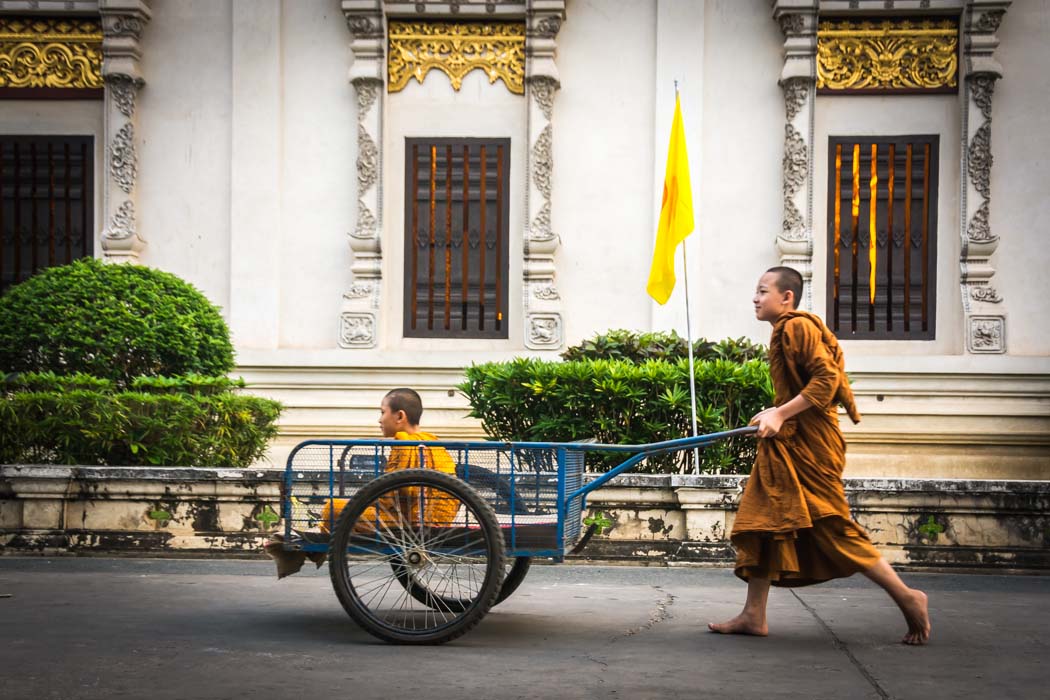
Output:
x=689 y=339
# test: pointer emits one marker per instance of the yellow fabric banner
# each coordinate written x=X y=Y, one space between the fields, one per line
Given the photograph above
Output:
x=676 y=213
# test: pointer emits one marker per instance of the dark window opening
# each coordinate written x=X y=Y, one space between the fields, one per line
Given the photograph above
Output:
x=46 y=203
x=882 y=237
x=457 y=222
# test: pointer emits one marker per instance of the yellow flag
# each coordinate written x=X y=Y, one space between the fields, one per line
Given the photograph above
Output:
x=676 y=213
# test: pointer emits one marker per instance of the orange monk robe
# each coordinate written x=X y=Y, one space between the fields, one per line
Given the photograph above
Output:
x=439 y=508
x=793 y=525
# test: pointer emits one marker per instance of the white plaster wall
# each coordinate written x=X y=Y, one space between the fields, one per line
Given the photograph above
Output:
x=183 y=208
x=603 y=164
x=62 y=118
x=319 y=176
x=434 y=109
x=872 y=115
x=1020 y=208
x=743 y=146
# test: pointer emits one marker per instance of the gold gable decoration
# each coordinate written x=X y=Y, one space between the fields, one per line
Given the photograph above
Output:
x=50 y=52
x=456 y=48
x=887 y=55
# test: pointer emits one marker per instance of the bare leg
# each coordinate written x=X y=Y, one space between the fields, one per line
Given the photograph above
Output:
x=752 y=620
x=912 y=602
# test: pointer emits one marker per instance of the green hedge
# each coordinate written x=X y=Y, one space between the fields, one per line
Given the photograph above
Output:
x=113 y=321
x=177 y=421
x=615 y=401
x=639 y=347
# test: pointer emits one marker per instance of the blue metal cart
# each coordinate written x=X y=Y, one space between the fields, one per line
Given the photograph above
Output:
x=420 y=555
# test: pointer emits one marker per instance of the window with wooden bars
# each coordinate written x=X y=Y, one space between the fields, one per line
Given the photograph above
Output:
x=882 y=237
x=457 y=220
x=46 y=203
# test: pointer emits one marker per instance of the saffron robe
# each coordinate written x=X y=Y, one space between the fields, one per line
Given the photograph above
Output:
x=793 y=525
x=439 y=508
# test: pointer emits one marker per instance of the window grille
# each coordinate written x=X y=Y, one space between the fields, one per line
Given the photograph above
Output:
x=456 y=237
x=882 y=237
x=46 y=203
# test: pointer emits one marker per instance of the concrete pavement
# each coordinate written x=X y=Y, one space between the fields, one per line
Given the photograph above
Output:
x=158 y=629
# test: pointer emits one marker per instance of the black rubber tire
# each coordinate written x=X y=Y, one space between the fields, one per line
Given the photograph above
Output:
x=453 y=623
x=515 y=575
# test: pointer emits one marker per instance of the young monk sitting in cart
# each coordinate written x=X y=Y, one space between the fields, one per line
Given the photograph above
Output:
x=793 y=526
x=399 y=417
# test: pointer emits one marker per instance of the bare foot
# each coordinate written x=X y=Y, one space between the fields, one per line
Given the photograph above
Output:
x=917 y=614
x=741 y=624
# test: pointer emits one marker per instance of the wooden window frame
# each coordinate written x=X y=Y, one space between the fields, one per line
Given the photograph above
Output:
x=435 y=320
x=879 y=321
x=46 y=246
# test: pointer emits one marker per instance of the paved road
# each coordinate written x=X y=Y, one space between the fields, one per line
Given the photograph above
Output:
x=158 y=629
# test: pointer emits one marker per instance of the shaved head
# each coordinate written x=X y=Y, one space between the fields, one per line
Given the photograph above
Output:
x=405 y=400
x=788 y=280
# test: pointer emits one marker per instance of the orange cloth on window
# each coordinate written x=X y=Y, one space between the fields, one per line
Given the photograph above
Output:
x=793 y=525
x=439 y=508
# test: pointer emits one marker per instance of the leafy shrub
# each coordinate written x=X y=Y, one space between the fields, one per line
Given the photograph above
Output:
x=639 y=347
x=185 y=421
x=111 y=321
x=615 y=401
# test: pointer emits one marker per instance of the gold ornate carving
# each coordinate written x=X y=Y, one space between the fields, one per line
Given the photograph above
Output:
x=887 y=54
x=456 y=48
x=49 y=52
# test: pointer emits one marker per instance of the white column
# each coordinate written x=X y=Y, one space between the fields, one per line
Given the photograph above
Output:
x=255 y=175
x=798 y=79
x=122 y=24
x=985 y=321
x=542 y=303
x=359 y=318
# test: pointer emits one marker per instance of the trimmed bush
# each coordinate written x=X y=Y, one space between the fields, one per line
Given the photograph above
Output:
x=111 y=321
x=615 y=401
x=639 y=347
x=171 y=421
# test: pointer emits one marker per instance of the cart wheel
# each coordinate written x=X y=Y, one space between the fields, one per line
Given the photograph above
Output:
x=415 y=587
x=515 y=575
x=425 y=527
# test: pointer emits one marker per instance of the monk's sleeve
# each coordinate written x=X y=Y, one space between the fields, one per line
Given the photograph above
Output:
x=803 y=344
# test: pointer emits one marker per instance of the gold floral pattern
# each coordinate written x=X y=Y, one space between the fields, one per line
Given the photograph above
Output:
x=456 y=48
x=50 y=53
x=887 y=55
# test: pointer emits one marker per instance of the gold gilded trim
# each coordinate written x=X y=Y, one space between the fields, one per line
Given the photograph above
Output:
x=44 y=52
x=887 y=55
x=456 y=48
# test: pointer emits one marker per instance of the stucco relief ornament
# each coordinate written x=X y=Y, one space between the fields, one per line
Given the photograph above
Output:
x=989 y=21
x=122 y=225
x=366 y=222
x=548 y=27
x=982 y=87
x=357 y=330
x=985 y=293
x=126 y=26
x=541 y=226
x=986 y=334
x=359 y=290
x=543 y=89
x=796 y=90
x=979 y=230
x=543 y=162
x=545 y=330
x=122 y=163
x=796 y=168
x=979 y=159
x=367 y=91
x=123 y=89
x=367 y=159
x=792 y=23
x=546 y=292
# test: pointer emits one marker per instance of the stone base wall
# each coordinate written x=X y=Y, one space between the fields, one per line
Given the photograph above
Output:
x=656 y=519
